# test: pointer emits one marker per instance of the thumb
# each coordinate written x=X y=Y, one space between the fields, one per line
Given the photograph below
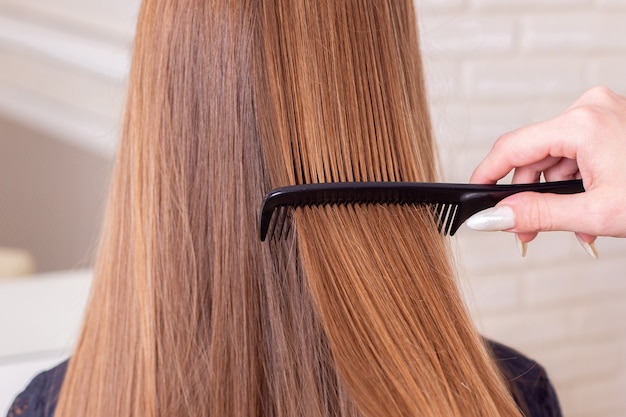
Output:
x=531 y=212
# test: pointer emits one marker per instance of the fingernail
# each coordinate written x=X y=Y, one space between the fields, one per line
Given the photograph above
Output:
x=521 y=246
x=492 y=219
x=590 y=248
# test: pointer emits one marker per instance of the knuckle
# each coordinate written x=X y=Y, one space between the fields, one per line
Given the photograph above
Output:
x=500 y=141
x=601 y=94
x=543 y=214
x=588 y=116
x=503 y=144
x=598 y=108
x=537 y=216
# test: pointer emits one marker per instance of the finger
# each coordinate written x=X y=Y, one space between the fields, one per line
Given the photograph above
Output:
x=586 y=237
x=587 y=242
x=526 y=175
x=526 y=237
x=565 y=169
x=554 y=169
x=527 y=146
x=536 y=212
x=532 y=173
x=531 y=212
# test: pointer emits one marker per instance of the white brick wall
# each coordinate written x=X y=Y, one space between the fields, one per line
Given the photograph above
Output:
x=493 y=66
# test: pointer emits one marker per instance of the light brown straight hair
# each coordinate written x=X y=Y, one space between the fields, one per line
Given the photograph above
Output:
x=355 y=312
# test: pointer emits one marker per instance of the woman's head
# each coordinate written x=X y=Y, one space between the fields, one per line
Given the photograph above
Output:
x=355 y=312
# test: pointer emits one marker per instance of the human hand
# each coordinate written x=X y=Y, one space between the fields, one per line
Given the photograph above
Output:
x=588 y=142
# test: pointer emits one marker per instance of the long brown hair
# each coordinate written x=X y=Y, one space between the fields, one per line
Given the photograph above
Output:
x=355 y=311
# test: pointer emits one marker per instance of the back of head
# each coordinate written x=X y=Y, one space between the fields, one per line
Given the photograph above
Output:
x=344 y=93
x=354 y=312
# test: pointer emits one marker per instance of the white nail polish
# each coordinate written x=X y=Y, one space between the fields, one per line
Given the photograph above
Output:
x=492 y=219
x=590 y=248
x=521 y=246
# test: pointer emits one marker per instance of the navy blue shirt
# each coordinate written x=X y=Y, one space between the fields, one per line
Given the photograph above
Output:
x=40 y=397
x=528 y=382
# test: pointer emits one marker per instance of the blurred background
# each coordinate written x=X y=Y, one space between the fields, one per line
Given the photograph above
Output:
x=491 y=65
x=63 y=70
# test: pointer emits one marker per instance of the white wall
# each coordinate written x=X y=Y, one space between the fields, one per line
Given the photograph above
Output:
x=495 y=65
x=64 y=66
x=63 y=70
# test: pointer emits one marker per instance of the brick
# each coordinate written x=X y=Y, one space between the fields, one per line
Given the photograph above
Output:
x=607 y=279
x=439 y=5
x=489 y=121
x=494 y=293
x=600 y=319
x=451 y=124
x=526 y=329
x=553 y=248
x=580 y=362
x=523 y=79
x=609 y=71
x=611 y=4
x=469 y=34
x=575 y=281
x=554 y=285
x=549 y=107
x=516 y=5
x=611 y=248
x=599 y=396
x=490 y=252
x=574 y=32
x=442 y=83
x=593 y=396
x=458 y=154
x=458 y=163
x=464 y=127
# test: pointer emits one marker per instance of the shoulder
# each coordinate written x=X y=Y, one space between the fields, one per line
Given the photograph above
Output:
x=527 y=380
x=40 y=397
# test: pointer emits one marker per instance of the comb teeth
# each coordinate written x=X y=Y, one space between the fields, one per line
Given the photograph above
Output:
x=444 y=215
x=279 y=225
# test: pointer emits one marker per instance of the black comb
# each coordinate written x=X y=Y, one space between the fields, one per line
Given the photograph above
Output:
x=451 y=204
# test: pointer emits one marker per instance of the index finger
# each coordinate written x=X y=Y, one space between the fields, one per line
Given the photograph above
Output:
x=526 y=146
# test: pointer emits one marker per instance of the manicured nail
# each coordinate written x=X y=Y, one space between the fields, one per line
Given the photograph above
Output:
x=590 y=248
x=492 y=219
x=521 y=246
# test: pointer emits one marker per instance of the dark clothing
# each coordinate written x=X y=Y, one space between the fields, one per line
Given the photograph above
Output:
x=528 y=381
x=39 y=399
